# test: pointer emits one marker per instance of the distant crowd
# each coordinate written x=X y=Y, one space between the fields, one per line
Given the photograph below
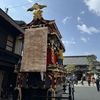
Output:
x=91 y=79
x=94 y=80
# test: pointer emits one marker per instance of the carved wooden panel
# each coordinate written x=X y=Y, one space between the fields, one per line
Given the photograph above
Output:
x=35 y=50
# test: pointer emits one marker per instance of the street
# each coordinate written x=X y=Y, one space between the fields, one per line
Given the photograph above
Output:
x=84 y=92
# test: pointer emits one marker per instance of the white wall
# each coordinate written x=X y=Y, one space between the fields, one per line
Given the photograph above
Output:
x=17 y=47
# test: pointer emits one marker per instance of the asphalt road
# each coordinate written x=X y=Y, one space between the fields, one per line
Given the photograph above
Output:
x=85 y=92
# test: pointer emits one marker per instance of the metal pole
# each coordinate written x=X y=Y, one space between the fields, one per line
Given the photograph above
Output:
x=73 y=91
x=64 y=88
x=70 y=92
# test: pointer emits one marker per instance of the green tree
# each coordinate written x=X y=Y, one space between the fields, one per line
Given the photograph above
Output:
x=70 y=68
x=92 y=63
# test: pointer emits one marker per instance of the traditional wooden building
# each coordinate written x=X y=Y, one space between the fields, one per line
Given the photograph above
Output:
x=9 y=52
x=80 y=62
x=98 y=68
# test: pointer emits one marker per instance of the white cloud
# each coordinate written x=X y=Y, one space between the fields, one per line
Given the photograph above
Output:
x=69 y=42
x=65 y=19
x=11 y=9
x=82 y=12
x=31 y=1
x=93 y=6
x=78 y=18
x=24 y=7
x=72 y=38
x=89 y=30
x=88 y=53
x=83 y=39
x=91 y=53
x=88 y=38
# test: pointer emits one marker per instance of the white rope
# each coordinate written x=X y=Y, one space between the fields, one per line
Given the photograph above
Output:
x=20 y=94
x=53 y=93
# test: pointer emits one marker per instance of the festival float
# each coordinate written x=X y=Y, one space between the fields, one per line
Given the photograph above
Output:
x=39 y=73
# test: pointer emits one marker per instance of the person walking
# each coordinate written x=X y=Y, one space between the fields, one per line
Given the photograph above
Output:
x=89 y=81
x=76 y=80
x=82 y=79
x=93 y=80
x=97 y=83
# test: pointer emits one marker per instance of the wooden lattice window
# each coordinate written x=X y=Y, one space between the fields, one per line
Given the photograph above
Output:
x=10 y=41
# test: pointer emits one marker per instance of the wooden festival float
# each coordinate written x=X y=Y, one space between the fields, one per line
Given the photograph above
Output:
x=38 y=71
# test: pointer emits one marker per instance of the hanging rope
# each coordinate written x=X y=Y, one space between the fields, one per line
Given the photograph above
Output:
x=20 y=92
x=53 y=93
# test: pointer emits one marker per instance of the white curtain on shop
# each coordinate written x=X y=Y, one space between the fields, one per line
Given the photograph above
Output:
x=42 y=75
x=1 y=79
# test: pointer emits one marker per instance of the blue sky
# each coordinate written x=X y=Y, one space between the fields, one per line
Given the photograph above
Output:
x=78 y=21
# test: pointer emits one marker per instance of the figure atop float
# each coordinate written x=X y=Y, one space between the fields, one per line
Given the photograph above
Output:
x=39 y=21
x=37 y=10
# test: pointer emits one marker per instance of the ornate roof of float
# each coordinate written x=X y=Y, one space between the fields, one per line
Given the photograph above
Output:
x=39 y=21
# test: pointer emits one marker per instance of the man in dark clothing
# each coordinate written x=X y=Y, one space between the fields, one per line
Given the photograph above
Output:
x=82 y=79
x=97 y=83
x=89 y=81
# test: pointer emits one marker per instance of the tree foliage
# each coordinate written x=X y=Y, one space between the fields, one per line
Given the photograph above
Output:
x=70 y=68
x=92 y=63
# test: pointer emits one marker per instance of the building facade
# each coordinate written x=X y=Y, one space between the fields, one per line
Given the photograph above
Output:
x=10 y=52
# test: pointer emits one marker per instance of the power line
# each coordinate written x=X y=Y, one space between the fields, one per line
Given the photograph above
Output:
x=20 y=5
x=25 y=4
x=7 y=8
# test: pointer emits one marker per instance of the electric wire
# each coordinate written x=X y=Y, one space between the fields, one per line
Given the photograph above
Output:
x=51 y=8
x=24 y=4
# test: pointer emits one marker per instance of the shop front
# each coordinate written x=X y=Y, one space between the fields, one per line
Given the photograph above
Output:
x=7 y=75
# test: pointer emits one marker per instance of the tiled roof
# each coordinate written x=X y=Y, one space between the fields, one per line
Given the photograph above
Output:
x=20 y=22
x=77 y=60
x=10 y=20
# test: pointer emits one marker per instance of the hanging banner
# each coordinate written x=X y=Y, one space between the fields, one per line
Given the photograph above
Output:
x=35 y=50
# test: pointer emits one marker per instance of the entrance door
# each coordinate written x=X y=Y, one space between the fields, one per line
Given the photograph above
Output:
x=79 y=75
x=1 y=79
x=8 y=82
